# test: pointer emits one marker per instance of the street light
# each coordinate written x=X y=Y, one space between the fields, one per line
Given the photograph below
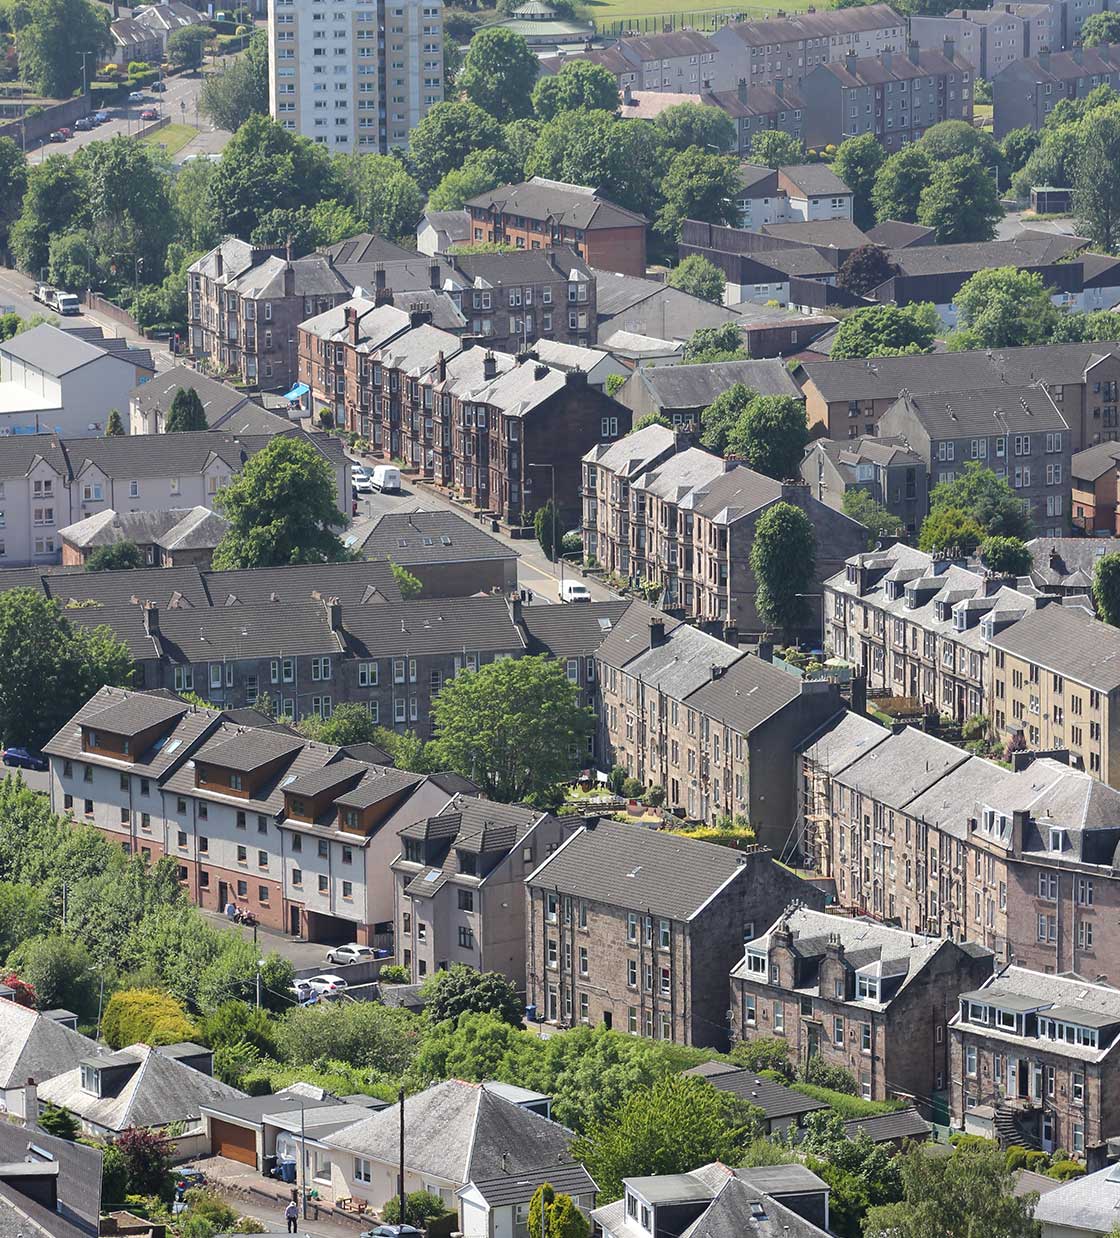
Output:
x=556 y=549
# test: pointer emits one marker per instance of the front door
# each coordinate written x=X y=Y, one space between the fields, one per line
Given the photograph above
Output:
x=1048 y=1132
x=223 y=896
x=814 y=1042
x=607 y=1019
x=1024 y=1081
x=293 y=921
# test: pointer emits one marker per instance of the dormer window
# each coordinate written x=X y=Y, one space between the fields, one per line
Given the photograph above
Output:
x=235 y=782
x=91 y=1080
x=894 y=590
x=756 y=963
x=1057 y=840
x=960 y=620
x=867 y=987
x=851 y=573
x=413 y=851
x=468 y=863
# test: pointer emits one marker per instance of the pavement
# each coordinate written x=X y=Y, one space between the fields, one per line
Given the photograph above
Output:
x=298 y=953
x=244 y=1189
x=15 y=294
x=1013 y=223
x=179 y=102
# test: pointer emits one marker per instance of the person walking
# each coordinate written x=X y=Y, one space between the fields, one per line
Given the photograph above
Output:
x=291 y=1215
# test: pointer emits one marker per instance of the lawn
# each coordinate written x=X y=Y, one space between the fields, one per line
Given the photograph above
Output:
x=172 y=137
x=650 y=15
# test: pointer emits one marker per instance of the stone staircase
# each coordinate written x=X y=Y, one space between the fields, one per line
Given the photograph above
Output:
x=1010 y=1131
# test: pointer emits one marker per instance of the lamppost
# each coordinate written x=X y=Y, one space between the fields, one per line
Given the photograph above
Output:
x=85 y=88
x=556 y=549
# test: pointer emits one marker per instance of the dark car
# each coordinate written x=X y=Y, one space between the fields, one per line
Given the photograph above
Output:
x=100 y=118
x=56 y=136
x=85 y=122
x=186 y=1179
x=66 y=131
x=158 y=87
x=391 y=1231
x=23 y=758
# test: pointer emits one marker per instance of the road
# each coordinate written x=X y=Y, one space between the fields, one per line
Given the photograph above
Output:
x=15 y=294
x=179 y=102
x=534 y=571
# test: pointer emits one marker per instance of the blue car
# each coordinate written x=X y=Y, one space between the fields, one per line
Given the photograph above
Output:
x=22 y=758
x=101 y=117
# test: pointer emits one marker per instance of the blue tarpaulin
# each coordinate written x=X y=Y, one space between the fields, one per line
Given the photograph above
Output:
x=297 y=392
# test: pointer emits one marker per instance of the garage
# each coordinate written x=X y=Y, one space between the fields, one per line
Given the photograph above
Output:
x=234 y=1142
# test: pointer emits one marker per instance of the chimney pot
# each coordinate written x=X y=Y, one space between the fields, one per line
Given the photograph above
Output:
x=656 y=633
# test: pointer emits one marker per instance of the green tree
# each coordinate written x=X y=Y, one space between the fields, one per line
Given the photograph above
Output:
x=384 y=196
x=420 y=1209
x=774 y=148
x=1106 y=588
x=330 y=222
x=710 y=344
x=240 y=89
x=650 y=419
x=520 y=136
x=950 y=139
x=678 y=1123
x=899 y=184
x=281 y=509
x=186 y=45
x=408 y=584
x=1003 y=307
x=407 y=750
x=349 y=723
x=190 y=201
x=483 y=170
x=696 y=124
x=73 y=260
x=879 y=522
x=186 y=412
x=499 y=73
x=52 y=37
x=961 y=202
x=764 y=1053
x=886 y=331
x=452 y=991
x=513 y=726
x=546 y=527
x=265 y=168
x=1100 y=28
x=864 y=269
x=950 y=528
x=1007 y=556
x=23 y=914
x=13 y=185
x=579 y=84
x=957 y=1196
x=145 y=1016
x=722 y=415
x=117 y=557
x=857 y=164
x=236 y=1022
x=771 y=434
x=1096 y=189
x=783 y=560
x=364 y=1034
x=1018 y=146
x=449 y=132
x=860 y=1174
x=48 y=666
x=988 y=499
x=59 y=1122
x=553 y=1215
x=55 y=202
x=114 y=427
x=61 y=971
x=699 y=277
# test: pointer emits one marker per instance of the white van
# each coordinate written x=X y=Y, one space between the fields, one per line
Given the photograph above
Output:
x=573 y=591
x=386 y=478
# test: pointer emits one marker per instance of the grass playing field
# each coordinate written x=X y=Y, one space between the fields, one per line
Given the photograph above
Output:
x=172 y=137
x=650 y=15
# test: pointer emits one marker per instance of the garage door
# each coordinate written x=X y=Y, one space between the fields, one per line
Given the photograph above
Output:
x=234 y=1142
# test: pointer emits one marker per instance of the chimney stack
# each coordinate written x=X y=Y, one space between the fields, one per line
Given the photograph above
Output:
x=1044 y=59
x=656 y=633
x=949 y=47
x=379 y=277
x=627 y=95
x=914 y=51
x=419 y=316
x=779 y=83
x=441 y=366
x=850 y=62
x=434 y=279
x=351 y=316
x=489 y=366
x=151 y=619
x=218 y=261
x=334 y=614
x=742 y=97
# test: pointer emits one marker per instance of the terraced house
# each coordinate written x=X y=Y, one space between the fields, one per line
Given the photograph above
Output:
x=300 y=833
x=1036 y=1061
x=919 y=626
x=873 y=1000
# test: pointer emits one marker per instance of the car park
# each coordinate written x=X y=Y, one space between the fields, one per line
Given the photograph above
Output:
x=353 y=953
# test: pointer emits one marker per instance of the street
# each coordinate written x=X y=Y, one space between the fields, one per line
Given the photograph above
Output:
x=179 y=102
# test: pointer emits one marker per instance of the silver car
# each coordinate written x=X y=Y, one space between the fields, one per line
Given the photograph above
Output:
x=353 y=953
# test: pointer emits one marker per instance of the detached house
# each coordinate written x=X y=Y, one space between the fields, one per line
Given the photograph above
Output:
x=874 y=1000
x=637 y=929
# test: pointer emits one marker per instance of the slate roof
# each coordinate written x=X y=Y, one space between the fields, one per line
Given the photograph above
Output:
x=431 y=537
x=570 y=1179
x=774 y=1099
x=432 y=625
x=903 y=1124
x=520 y=267
x=1088 y=1204
x=570 y=631
x=458 y=1132
x=683 y=663
x=1068 y=561
x=696 y=386
x=178 y=528
x=902 y=767
x=747 y=694
x=457 y=224
x=820 y=233
x=675 y=477
x=894 y=234
x=623 y=865
x=79 y=1175
x=1068 y=642
x=159 y=1092
x=366 y=247
x=815 y=179
x=632 y=454
x=1026 y=249
x=823 y=24
x=999 y=410
x=575 y=206
x=670 y=45
x=251 y=419
x=1094 y=462
x=630 y=636
x=354 y=584
x=873 y=70
x=732 y=494
x=51 y=350
x=843 y=740
x=217 y=398
x=35 y=1047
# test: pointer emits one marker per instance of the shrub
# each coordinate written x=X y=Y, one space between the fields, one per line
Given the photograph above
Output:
x=976 y=727
x=632 y=789
x=817 y=1071
x=770 y=1053
x=1016 y=1157
x=961 y=1140
x=394 y=973
x=1037 y=1161
x=145 y=1016
x=420 y=1207
x=1064 y=1170
x=846 y=1106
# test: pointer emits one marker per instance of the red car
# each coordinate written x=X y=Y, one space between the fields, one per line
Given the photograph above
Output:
x=149 y=113
x=66 y=131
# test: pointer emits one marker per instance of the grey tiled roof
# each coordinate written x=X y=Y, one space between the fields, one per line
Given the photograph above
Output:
x=747 y=693
x=136 y=713
x=822 y=233
x=732 y=494
x=1024 y=250
x=1000 y=410
x=217 y=398
x=247 y=750
x=35 y=1047
x=571 y=631
x=1095 y=461
x=436 y=625
x=573 y=205
x=79 y=1174
x=629 y=638
x=679 y=474
x=815 y=179
x=431 y=537
x=774 y=1099
x=894 y=234
x=623 y=865
x=904 y=1124
x=902 y=767
x=823 y=24
x=53 y=351
x=633 y=453
x=1068 y=642
x=843 y=740
x=368 y=248
x=570 y=1179
x=696 y=386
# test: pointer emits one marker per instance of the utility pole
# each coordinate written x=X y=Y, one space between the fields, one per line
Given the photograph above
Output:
x=401 y=1218
x=556 y=548
x=85 y=88
x=100 y=1001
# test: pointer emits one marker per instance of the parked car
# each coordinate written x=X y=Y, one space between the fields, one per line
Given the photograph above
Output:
x=66 y=131
x=158 y=87
x=101 y=117
x=353 y=953
x=85 y=122
x=303 y=992
x=24 y=758
x=387 y=478
x=187 y=1178
x=363 y=484
x=573 y=591
x=136 y=96
x=327 y=984
x=149 y=113
x=56 y=136
x=391 y=1231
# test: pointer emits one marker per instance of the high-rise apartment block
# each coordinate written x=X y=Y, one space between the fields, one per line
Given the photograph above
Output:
x=355 y=75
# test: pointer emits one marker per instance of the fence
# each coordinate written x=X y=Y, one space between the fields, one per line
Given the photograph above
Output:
x=659 y=23
x=101 y=305
x=31 y=129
